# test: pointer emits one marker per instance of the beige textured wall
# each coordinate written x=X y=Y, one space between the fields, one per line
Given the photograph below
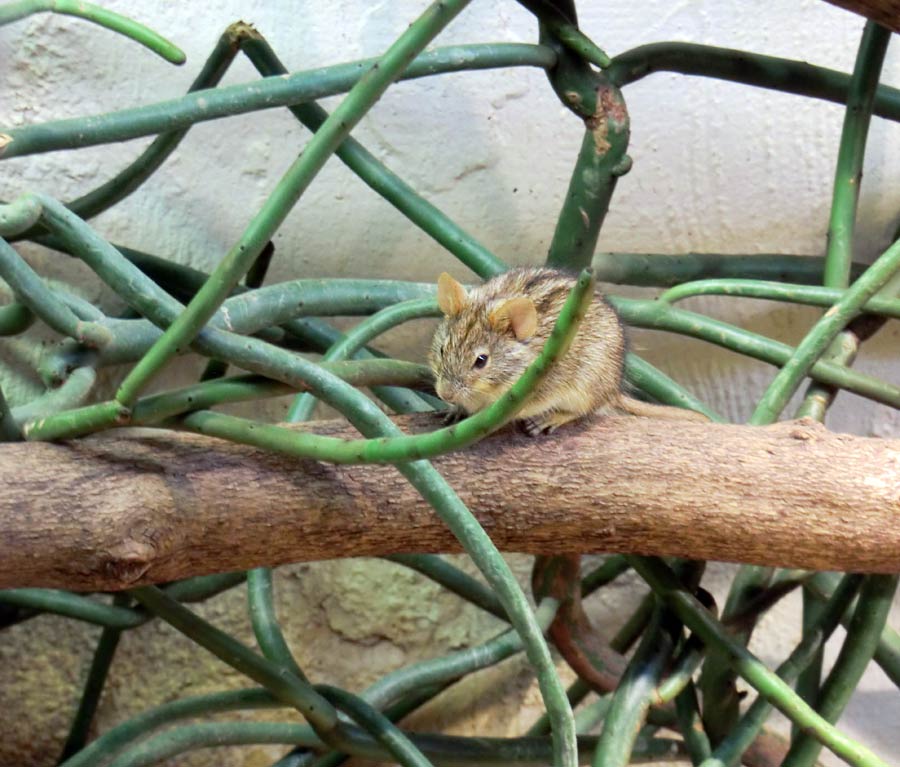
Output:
x=717 y=167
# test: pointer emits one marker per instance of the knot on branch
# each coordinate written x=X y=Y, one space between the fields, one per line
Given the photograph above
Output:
x=129 y=561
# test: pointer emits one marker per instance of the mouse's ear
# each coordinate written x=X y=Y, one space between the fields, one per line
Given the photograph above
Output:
x=517 y=315
x=451 y=296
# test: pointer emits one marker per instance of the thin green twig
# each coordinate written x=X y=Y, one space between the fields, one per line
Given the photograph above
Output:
x=664 y=270
x=97 y=15
x=812 y=295
x=453 y=579
x=844 y=202
x=73 y=606
x=566 y=30
x=848 y=174
x=265 y=624
x=118 y=737
x=659 y=316
x=104 y=653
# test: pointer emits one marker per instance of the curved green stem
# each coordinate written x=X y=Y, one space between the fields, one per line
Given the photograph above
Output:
x=812 y=295
x=681 y=676
x=115 y=739
x=74 y=606
x=440 y=671
x=717 y=682
x=601 y=161
x=845 y=198
x=97 y=15
x=690 y=724
x=268 y=632
x=321 y=336
x=848 y=174
x=83 y=608
x=18 y=216
x=45 y=303
x=202 y=587
x=607 y=571
x=771 y=72
x=662 y=388
x=302 y=407
x=565 y=29
x=383 y=730
x=664 y=270
x=201 y=396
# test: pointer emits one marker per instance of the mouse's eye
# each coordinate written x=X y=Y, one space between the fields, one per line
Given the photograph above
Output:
x=443 y=349
x=480 y=361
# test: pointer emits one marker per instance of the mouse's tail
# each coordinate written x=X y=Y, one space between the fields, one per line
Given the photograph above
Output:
x=649 y=410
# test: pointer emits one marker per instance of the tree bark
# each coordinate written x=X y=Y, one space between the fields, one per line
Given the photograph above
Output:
x=143 y=506
x=885 y=12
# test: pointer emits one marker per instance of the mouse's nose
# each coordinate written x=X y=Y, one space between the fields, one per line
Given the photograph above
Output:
x=445 y=390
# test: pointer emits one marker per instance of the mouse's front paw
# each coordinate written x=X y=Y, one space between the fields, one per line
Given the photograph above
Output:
x=535 y=427
x=544 y=423
x=454 y=415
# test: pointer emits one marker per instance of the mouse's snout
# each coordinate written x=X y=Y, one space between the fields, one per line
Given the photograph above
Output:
x=446 y=390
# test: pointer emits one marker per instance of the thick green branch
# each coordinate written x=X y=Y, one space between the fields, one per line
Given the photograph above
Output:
x=211 y=104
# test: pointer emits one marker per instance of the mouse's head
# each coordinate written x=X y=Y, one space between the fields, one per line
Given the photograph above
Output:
x=482 y=346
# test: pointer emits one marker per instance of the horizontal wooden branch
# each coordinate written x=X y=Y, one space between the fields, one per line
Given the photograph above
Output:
x=141 y=506
x=885 y=12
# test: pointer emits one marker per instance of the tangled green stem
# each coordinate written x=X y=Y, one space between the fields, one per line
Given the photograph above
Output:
x=822 y=333
x=664 y=582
